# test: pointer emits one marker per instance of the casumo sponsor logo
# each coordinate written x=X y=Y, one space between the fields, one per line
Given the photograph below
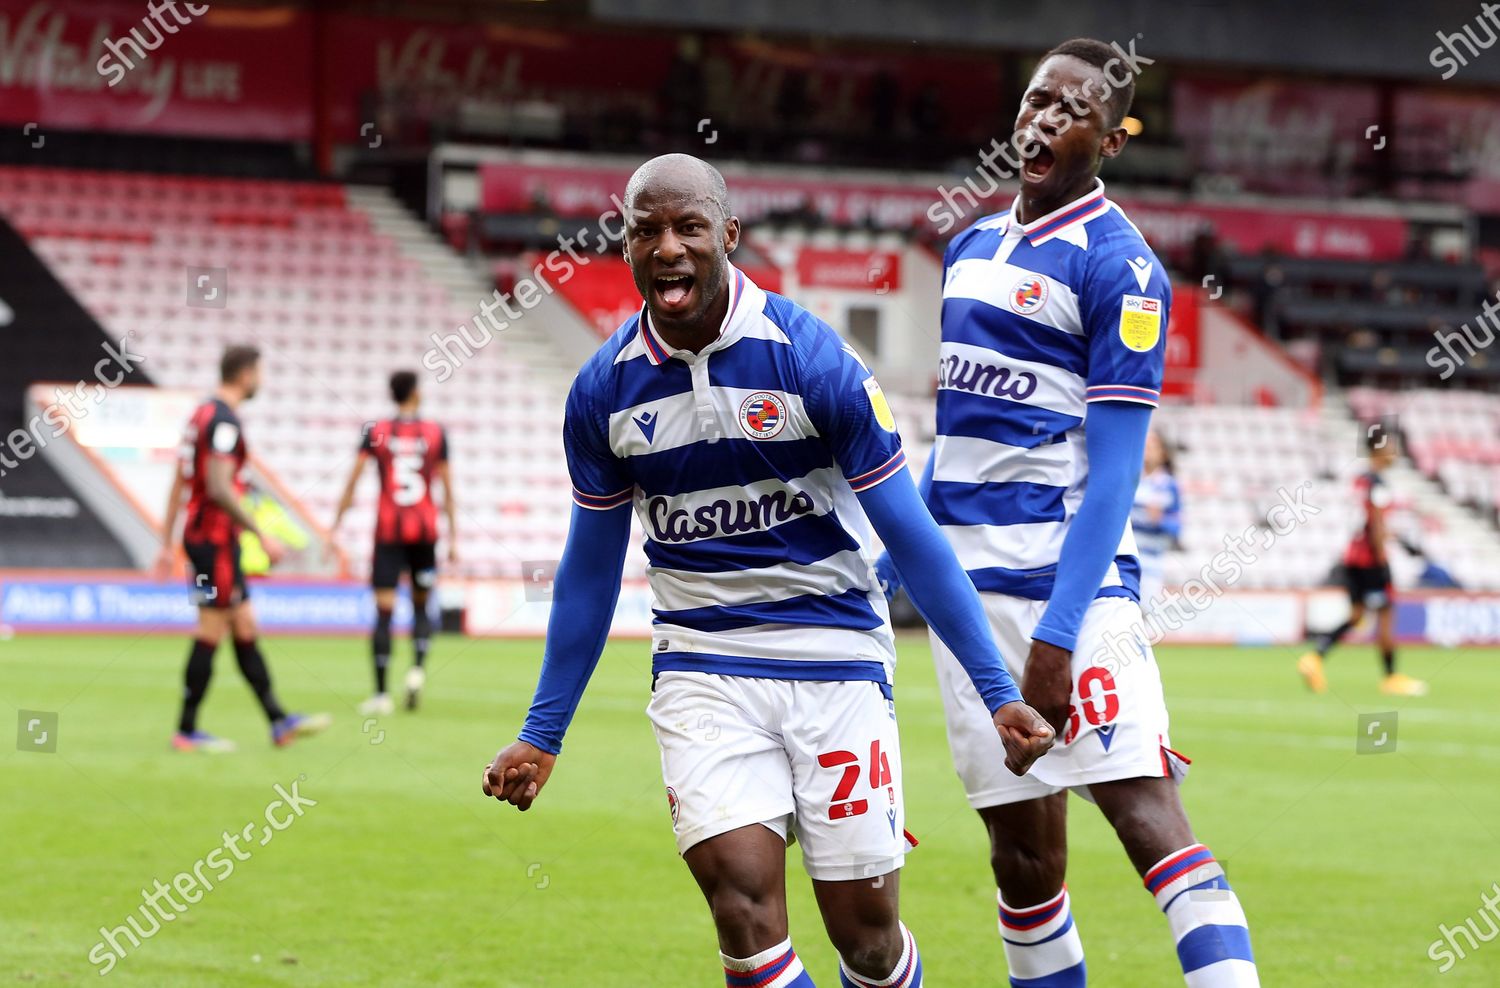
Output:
x=956 y=373
x=724 y=517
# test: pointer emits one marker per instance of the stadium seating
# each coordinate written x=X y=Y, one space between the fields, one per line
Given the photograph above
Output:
x=338 y=287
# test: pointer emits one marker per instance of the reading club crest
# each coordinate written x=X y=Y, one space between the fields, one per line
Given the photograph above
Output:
x=672 y=804
x=1029 y=295
x=763 y=415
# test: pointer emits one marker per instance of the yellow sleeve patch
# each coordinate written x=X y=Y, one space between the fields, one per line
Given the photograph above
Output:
x=1140 y=322
x=883 y=413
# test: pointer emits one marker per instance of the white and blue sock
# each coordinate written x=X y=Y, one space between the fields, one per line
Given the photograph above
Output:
x=1212 y=934
x=774 y=968
x=907 y=973
x=1042 y=949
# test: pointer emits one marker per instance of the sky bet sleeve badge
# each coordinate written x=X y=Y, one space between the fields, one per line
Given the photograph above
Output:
x=883 y=413
x=1140 y=322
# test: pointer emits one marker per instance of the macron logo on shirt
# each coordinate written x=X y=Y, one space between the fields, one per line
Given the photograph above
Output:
x=647 y=423
x=1141 y=268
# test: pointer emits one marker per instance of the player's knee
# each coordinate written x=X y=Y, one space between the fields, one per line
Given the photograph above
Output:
x=743 y=916
x=1032 y=870
x=867 y=949
x=1152 y=821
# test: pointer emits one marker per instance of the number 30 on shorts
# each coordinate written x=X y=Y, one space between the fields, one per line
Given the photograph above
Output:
x=880 y=775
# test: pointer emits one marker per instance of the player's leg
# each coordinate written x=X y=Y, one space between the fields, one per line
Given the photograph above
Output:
x=1025 y=817
x=1207 y=921
x=1118 y=752
x=252 y=663
x=729 y=790
x=213 y=623
x=1394 y=683
x=385 y=573
x=742 y=874
x=845 y=754
x=1029 y=858
x=285 y=727
x=863 y=920
x=422 y=560
x=1310 y=665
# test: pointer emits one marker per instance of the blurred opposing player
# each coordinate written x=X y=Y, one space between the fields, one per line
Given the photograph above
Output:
x=210 y=467
x=1368 y=577
x=1053 y=333
x=753 y=443
x=409 y=453
x=1156 y=517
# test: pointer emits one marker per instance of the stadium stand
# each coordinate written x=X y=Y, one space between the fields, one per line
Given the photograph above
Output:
x=339 y=287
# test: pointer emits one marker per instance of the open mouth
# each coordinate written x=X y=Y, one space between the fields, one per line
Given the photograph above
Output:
x=1039 y=164
x=674 y=290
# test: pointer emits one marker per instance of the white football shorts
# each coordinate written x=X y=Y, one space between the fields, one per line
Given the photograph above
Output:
x=1117 y=724
x=816 y=762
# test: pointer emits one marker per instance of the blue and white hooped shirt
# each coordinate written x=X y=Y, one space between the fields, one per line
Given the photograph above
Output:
x=1038 y=320
x=742 y=462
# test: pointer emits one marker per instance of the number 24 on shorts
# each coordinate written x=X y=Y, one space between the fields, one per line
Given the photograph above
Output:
x=880 y=775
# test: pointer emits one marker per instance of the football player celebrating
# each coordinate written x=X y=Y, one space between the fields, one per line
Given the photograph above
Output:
x=210 y=467
x=1053 y=324
x=753 y=444
x=410 y=453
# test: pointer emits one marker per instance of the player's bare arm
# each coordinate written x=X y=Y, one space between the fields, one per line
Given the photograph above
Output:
x=168 y=555
x=1378 y=534
x=450 y=509
x=346 y=500
x=1048 y=682
x=221 y=489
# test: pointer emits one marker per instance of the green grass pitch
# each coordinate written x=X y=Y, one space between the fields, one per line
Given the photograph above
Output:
x=403 y=874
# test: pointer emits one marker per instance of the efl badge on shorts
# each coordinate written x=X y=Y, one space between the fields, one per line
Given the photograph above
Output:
x=882 y=408
x=1140 y=322
x=1029 y=295
x=763 y=415
x=672 y=804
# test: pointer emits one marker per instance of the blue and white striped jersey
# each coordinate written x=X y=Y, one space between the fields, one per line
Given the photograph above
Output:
x=1038 y=320
x=743 y=461
x=1157 y=493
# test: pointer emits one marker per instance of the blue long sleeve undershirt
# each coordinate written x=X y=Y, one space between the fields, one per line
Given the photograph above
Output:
x=942 y=592
x=1115 y=438
x=584 y=593
x=587 y=587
